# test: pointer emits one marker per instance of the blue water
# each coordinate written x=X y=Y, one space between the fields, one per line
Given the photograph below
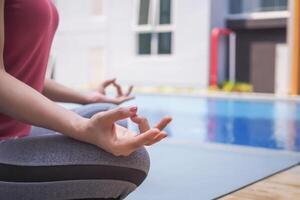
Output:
x=267 y=124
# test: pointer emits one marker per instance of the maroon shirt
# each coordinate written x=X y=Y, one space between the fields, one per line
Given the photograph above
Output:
x=30 y=26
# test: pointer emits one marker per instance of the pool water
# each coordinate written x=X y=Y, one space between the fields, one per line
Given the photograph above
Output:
x=267 y=124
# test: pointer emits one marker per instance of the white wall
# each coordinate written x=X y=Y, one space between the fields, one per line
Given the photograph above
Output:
x=113 y=35
x=79 y=42
x=282 y=70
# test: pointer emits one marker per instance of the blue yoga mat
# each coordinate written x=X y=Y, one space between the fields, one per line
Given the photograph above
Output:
x=187 y=170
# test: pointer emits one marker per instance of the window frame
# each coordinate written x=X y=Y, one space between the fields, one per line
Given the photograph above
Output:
x=154 y=28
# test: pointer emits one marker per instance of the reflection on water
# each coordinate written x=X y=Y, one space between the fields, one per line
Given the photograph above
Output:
x=269 y=124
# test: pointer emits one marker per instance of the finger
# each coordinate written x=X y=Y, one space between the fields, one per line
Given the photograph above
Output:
x=142 y=123
x=143 y=138
x=118 y=88
x=129 y=90
x=118 y=114
x=120 y=100
x=162 y=135
x=105 y=84
x=101 y=89
x=163 y=123
x=108 y=82
x=124 y=99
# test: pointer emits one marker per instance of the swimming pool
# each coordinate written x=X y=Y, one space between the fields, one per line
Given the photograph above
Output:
x=267 y=124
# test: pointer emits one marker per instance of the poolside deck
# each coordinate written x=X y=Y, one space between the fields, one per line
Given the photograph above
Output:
x=192 y=170
x=285 y=185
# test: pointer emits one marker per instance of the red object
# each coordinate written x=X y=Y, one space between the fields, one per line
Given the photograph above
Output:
x=29 y=29
x=215 y=35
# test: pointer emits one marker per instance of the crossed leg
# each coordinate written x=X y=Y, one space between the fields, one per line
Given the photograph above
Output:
x=53 y=166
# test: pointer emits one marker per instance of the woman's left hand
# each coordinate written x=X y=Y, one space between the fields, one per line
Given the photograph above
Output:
x=99 y=96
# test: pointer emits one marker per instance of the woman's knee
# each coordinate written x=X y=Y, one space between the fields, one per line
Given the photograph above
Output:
x=105 y=175
x=136 y=172
x=140 y=161
x=60 y=149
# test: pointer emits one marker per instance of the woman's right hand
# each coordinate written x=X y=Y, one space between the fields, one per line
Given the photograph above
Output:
x=102 y=131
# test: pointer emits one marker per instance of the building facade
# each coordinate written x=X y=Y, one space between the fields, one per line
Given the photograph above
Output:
x=262 y=46
x=167 y=42
x=141 y=42
x=262 y=56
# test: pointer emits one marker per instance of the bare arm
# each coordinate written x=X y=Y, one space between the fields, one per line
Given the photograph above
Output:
x=25 y=104
x=61 y=93
x=21 y=102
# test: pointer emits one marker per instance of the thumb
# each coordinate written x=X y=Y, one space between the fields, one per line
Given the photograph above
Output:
x=119 y=113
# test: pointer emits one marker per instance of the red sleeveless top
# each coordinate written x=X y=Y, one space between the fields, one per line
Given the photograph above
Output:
x=30 y=26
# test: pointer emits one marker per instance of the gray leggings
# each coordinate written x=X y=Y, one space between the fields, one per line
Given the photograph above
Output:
x=47 y=165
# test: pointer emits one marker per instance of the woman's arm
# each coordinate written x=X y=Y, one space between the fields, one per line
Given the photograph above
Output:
x=61 y=93
x=25 y=104
x=22 y=102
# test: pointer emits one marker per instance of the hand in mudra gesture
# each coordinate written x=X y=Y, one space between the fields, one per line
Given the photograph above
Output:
x=99 y=96
x=120 y=97
x=102 y=131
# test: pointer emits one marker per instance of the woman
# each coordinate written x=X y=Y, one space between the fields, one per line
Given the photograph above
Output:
x=64 y=168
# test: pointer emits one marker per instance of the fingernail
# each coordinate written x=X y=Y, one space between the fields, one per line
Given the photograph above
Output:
x=133 y=109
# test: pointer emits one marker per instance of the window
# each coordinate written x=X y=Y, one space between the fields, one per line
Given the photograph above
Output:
x=235 y=6
x=144 y=12
x=272 y=5
x=154 y=27
x=164 y=43
x=249 y=6
x=144 y=40
x=165 y=12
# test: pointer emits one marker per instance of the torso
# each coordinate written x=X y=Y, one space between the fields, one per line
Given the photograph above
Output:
x=30 y=26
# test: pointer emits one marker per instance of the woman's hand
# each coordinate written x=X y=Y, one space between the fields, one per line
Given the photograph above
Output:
x=102 y=131
x=99 y=96
x=121 y=96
